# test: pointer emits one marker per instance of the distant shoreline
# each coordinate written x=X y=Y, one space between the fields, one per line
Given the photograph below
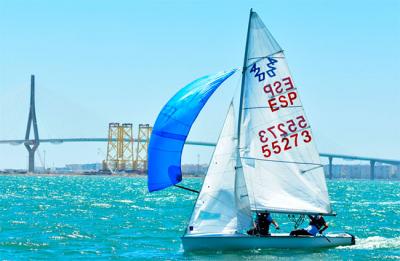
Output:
x=71 y=174
x=135 y=175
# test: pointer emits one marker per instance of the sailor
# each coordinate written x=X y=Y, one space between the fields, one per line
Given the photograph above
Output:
x=317 y=225
x=262 y=223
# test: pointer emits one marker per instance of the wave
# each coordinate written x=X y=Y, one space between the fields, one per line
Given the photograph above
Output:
x=375 y=242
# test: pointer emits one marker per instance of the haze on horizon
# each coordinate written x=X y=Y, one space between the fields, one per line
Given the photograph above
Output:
x=98 y=62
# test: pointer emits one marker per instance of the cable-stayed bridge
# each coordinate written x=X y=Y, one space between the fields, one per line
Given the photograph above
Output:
x=329 y=156
x=32 y=144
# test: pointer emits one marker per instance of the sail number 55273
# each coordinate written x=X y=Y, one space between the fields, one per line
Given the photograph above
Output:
x=286 y=143
x=284 y=136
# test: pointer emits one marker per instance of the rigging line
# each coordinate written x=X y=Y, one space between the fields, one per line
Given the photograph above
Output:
x=188 y=189
x=317 y=167
x=284 y=161
x=264 y=57
x=326 y=238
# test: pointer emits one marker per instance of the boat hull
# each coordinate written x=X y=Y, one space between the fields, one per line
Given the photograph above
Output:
x=242 y=242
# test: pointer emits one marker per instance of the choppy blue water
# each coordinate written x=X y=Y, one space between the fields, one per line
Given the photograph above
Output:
x=114 y=217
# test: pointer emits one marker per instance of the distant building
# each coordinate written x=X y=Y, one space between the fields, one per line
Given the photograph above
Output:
x=83 y=167
x=194 y=169
x=382 y=171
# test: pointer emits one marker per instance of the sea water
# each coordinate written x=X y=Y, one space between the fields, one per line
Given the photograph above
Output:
x=108 y=217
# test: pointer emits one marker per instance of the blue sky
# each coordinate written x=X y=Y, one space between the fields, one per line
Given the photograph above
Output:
x=120 y=61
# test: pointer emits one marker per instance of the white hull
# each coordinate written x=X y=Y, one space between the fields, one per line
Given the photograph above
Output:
x=241 y=242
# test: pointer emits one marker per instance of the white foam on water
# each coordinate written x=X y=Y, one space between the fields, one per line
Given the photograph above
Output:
x=76 y=234
x=390 y=203
x=57 y=237
x=142 y=208
x=375 y=242
x=101 y=205
x=127 y=201
x=18 y=222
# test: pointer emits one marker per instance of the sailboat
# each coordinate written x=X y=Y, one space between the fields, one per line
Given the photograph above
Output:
x=267 y=162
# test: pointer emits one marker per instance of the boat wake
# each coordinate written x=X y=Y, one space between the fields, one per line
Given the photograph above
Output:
x=375 y=242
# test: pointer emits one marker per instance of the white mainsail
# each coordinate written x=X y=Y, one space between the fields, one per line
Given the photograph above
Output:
x=223 y=205
x=281 y=163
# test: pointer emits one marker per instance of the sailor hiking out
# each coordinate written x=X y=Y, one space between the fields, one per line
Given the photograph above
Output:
x=317 y=225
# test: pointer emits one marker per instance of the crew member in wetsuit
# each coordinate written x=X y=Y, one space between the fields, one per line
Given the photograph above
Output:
x=317 y=225
x=262 y=223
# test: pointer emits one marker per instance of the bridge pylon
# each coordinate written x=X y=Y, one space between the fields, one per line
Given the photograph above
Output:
x=32 y=145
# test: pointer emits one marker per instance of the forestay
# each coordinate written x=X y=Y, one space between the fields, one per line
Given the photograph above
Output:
x=223 y=205
x=280 y=160
x=172 y=127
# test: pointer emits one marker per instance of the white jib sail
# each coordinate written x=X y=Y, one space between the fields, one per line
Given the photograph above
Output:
x=280 y=160
x=221 y=207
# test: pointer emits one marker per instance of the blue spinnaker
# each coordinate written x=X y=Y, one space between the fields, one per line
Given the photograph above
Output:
x=172 y=128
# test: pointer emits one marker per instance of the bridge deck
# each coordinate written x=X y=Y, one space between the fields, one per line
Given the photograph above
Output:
x=198 y=143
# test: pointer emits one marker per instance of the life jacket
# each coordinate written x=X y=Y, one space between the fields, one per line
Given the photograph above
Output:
x=262 y=221
x=318 y=222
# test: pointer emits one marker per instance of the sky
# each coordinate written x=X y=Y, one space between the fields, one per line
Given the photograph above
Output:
x=98 y=61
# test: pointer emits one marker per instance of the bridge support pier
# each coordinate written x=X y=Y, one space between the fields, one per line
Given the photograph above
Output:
x=32 y=146
x=372 y=170
x=330 y=168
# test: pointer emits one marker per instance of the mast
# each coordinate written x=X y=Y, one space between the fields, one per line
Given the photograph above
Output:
x=243 y=80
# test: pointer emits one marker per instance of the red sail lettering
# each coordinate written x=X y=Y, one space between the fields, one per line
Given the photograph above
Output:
x=272 y=103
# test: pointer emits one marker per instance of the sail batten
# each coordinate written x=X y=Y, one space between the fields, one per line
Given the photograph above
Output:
x=284 y=161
